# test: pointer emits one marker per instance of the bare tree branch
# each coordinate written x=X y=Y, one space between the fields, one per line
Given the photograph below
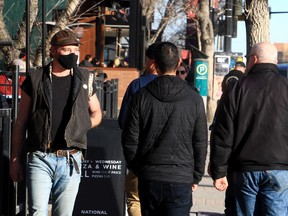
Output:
x=171 y=11
x=20 y=42
x=60 y=24
x=78 y=16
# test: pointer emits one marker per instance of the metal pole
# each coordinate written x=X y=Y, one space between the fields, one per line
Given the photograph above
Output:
x=229 y=26
x=27 y=36
x=278 y=12
x=27 y=71
x=15 y=92
x=15 y=83
x=43 y=32
x=118 y=42
x=133 y=34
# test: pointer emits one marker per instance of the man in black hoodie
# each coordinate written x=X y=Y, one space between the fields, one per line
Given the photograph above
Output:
x=165 y=139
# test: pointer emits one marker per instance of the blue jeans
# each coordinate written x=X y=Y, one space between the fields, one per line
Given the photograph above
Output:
x=261 y=193
x=48 y=173
x=165 y=199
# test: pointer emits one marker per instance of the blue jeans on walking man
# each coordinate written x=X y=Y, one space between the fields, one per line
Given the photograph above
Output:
x=261 y=193
x=48 y=173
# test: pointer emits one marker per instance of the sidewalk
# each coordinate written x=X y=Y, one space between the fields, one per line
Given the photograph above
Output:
x=207 y=201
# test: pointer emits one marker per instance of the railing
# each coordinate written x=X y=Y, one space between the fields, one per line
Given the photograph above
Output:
x=110 y=106
x=107 y=93
x=13 y=195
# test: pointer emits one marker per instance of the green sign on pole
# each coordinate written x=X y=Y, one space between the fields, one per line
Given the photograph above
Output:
x=201 y=76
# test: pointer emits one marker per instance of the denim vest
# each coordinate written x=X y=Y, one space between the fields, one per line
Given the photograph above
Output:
x=39 y=126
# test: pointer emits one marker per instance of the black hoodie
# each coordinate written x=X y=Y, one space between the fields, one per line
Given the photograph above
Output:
x=165 y=135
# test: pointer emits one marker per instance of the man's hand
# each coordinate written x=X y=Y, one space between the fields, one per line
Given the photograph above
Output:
x=16 y=170
x=221 y=184
x=194 y=187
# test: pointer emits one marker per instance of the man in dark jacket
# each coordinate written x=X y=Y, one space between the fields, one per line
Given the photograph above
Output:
x=131 y=181
x=233 y=75
x=250 y=135
x=165 y=138
x=228 y=82
x=87 y=61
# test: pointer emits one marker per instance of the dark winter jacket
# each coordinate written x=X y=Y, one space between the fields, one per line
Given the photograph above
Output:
x=86 y=63
x=230 y=79
x=39 y=127
x=251 y=127
x=165 y=134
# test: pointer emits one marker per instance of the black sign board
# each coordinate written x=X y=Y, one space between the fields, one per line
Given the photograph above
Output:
x=101 y=189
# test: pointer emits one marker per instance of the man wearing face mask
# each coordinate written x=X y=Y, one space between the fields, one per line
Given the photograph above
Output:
x=58 y=106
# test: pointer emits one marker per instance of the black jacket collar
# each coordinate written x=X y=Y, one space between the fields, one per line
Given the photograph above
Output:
x=264 y=67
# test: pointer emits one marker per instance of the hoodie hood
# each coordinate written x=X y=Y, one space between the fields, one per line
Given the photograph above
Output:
x=167 y=88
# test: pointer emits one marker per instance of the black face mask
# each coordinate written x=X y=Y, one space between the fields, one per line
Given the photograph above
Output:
x=68 y=61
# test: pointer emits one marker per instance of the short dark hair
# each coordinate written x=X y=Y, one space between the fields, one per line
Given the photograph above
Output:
x=150 y=52
x=105 y=75
x=88 y=56
x=185 y=66
x=166 y=56
x=240 y=63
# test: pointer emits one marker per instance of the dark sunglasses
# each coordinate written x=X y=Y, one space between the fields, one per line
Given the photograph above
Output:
x=182 y=72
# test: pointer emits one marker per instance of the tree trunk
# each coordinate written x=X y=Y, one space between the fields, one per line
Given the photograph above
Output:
x=257 y=22
x=61 y=24
x=12 y=52
x=207 y=44
x=4 y=35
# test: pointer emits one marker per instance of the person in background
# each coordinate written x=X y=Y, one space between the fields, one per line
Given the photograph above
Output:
x=164 y=138
x=87 y=61
x=126 y=62
x=131 y=181
x=58 y=106
x=233 y=75
x=105 y=76
x=3 y=102
x=115 y=63
x=21 y=62
x=182 y=71
x=249 y=137
x=97 y=63
x=228 y=82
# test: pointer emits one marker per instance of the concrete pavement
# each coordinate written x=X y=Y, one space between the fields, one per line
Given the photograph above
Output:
x=207 y=201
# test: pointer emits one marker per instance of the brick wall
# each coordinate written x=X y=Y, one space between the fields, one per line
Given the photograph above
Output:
x=124 y=76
